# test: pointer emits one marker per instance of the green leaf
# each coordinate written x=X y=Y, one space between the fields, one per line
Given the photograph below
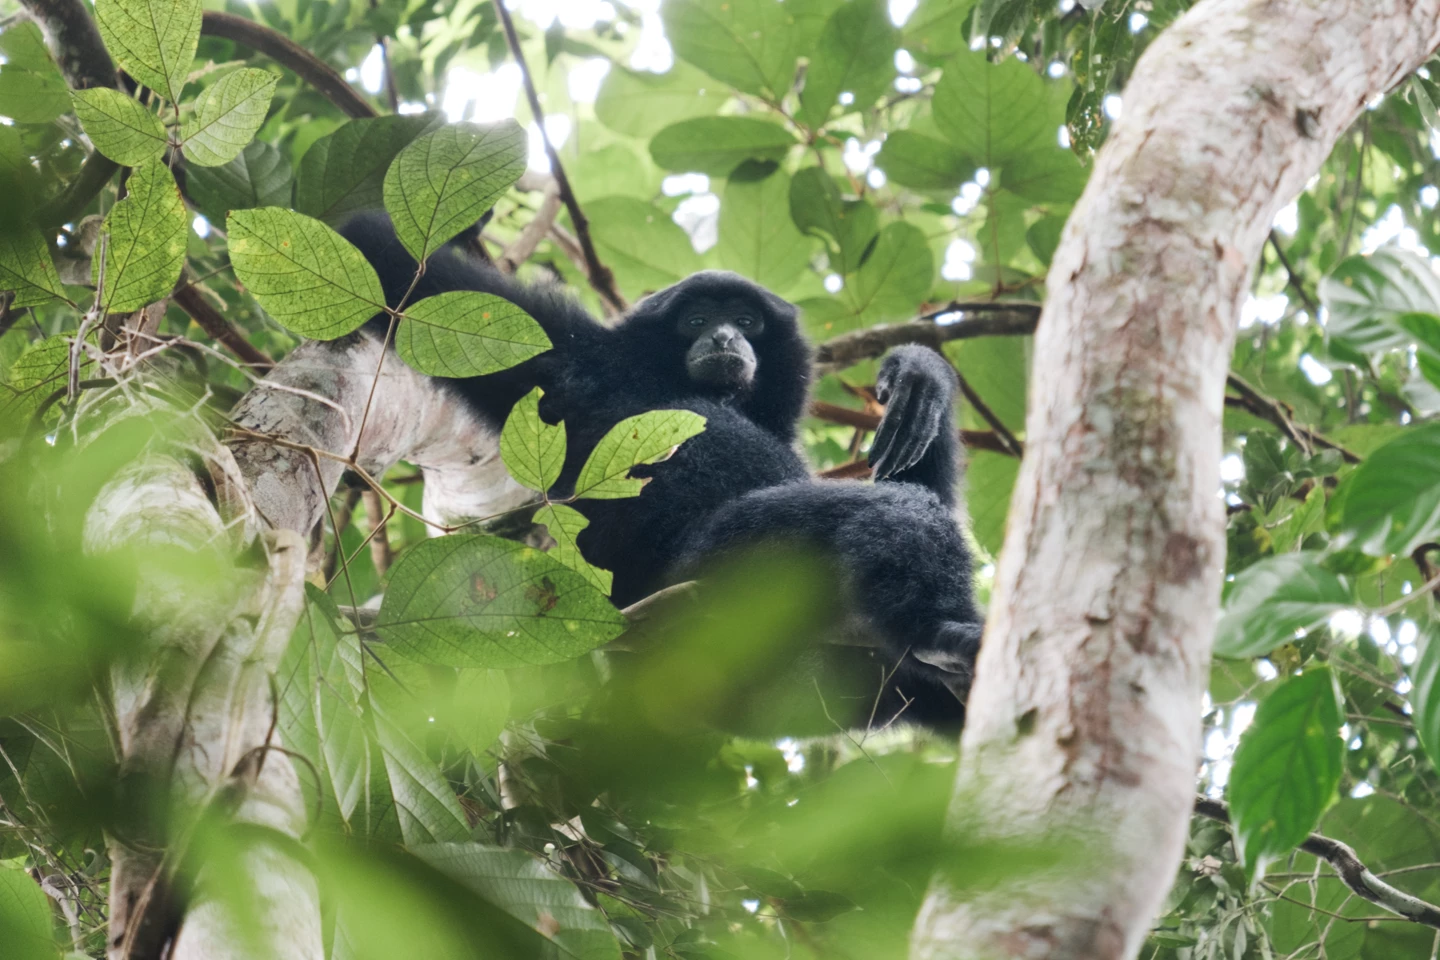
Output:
x=1287 y=767
x=1043 y=238
x=637 y=103
x=227 y=116
x=526 y=888
x=646 y=249
x=894 y=278
x=443 y=181
x=1272 y=599
x=478 y=708
x=31 y=88
x=463 y=333
x=26 y=267
x=923 y=163
x=533 y=451
x=146 y=249
x=717 y=145
x=258 y=177
x=758 y=238
x=120 y=126
x=1425 y=699
x=817 y=906
x=1366 y=296
x=304 y=274
x=937 y=29
x=25 y=919
x=994 y=112
x=847 y=226
x=1392 y=501
x=989 y=482
x=750 y=44
x=564 y=525
x=344 y=171
x=152 y=40
x=335 y=699
x=1046 y=175
x=646 y=438
x=855 y=55
x=477 y=601
x=424 y=801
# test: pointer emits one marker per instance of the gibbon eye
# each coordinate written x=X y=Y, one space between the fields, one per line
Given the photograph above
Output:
x=746 y=321
x=697 y=321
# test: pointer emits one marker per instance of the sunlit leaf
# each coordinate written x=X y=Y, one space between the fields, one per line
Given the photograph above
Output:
x=478 y=708
x=152 y=40
x=564 y=525
x=464 y=333
x=717 y=145
x=475 y=601
x=25 y=924
x=120 y=127
x=31 y=88
x=442 y=182
x=749 y=44
x=645 y=438
x=646 y=249
x=1287 y=767
x=923 y=163
x=994 y=112
x=1425 y=699
x=1273 y=599
x=258 y=177
x=1365 y=296
x=758 y=237
x=26 y=267
x=855 y=55
x=227 y=115
x=336 y=700
x=146 y=248
x=1392 y=501
x=344 y=171
x=637 y=103
x=1046 y=175
x=937 y=29
x=304 y=274
x=894 y=278
x=533 y=450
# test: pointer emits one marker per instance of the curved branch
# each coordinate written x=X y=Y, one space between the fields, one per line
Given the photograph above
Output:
x=1349 y=868
x=289 y=54
x=189 y=298
x=979 y=319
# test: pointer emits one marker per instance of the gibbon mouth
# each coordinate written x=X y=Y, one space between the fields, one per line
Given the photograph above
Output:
x=723 y=367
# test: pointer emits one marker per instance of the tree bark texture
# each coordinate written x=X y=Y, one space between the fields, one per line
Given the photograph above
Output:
x=1084 y=719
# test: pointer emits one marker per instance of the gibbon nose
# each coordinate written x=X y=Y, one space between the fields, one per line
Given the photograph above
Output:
x=722 y=337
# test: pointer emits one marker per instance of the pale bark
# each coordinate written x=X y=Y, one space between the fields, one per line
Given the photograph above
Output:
x=1084 y=719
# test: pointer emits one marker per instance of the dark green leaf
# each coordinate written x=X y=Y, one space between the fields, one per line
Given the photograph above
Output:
x=717 y=145
x=1392 y=501
x=1271 y=600
x=1425 y=699
x=1046 y=175
x=894 y=278
x=923 y=163
x=146 y=248
x=855 y=55
x=463 y=333
x=424 y=800
x=227 y=115
x=258 y=177
x=849 y=226
x=817 y=906
x=344 y=171
x=152 y=40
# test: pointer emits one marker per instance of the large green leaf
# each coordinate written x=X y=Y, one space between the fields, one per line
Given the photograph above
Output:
x=227 y=115
x=152 y=40
x=758 y=238
x=146 y=247
x=533 y=451
x=1365 y=298
x=31 y=88
x=463 y=333
x=1425 y=699
x=26 y=267
x=646 y=438
x=303 y=273
x=344 y=171
x=937 y=29
x=442 y=182
x=848 y=226
x=717 y=145
x=1392 y=501
x=477 y=601
x=646 y=249
x=119 y=126
x=637 y=104
x=564 y=525
x=989 y=483
x=25 y=918
x=526 y=888
x=258 y=177
x=1047 y=174
x=1272 y=599
x=750 y=44
x=894 y=278
x=1287 y=767
x=923 y=163
x=994 y=112
x=335 y=683
x=855 y=55
x=424 y=801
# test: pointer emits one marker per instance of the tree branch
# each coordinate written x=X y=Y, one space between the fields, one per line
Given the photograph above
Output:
x=1348 y=867
x=533 y=232
x=859 y=419
x=1268 y=408
x=289 y=54
x=599 y=275
x=188 y=297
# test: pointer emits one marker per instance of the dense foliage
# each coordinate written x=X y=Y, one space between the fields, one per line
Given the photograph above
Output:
x=873 y=164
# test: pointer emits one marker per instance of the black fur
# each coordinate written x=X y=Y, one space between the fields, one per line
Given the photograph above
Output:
x=896 y=543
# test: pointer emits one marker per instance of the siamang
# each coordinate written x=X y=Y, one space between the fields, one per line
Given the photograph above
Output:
x=733 y=352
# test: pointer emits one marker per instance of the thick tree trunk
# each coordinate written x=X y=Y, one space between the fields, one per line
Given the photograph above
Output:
x=1084 y=721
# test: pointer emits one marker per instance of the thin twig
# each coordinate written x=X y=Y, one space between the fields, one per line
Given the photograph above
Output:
x=1268 y=408
x=1015 y=447
x=381 y=553
x=1294 y=279
x=188 y=297
x=1351 y=871
x=533 y=232
x=599 y=275
x=861 y=420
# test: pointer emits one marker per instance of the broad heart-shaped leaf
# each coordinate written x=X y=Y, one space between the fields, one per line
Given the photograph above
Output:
x=258 y=177
x=344 y=171
x=527 y=889
x=1392 y=501
x=717 y=145
x=146 y=247
x=1287 y=767
x=304 y=274
x=1272 y=599
x=478 y=601
x=1365 y=296
x=855 y=55
x=635 y=440
x=848 y=226
x=25 y=922
x=463 y=333
x=646 y=249
x=894 y=278
x=994 y=112
x=1425 y=699
x=923 y=163
x=120 y=127
x=564 y=525
x=424 y=800
x=26 y=267
x=31 y=88
x=226 y=116
x=533 y=451
x=443 y=181
x=750 y=44
x=637 y=103
x=758 y=237
x=152 y=40
x=1047 y=174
